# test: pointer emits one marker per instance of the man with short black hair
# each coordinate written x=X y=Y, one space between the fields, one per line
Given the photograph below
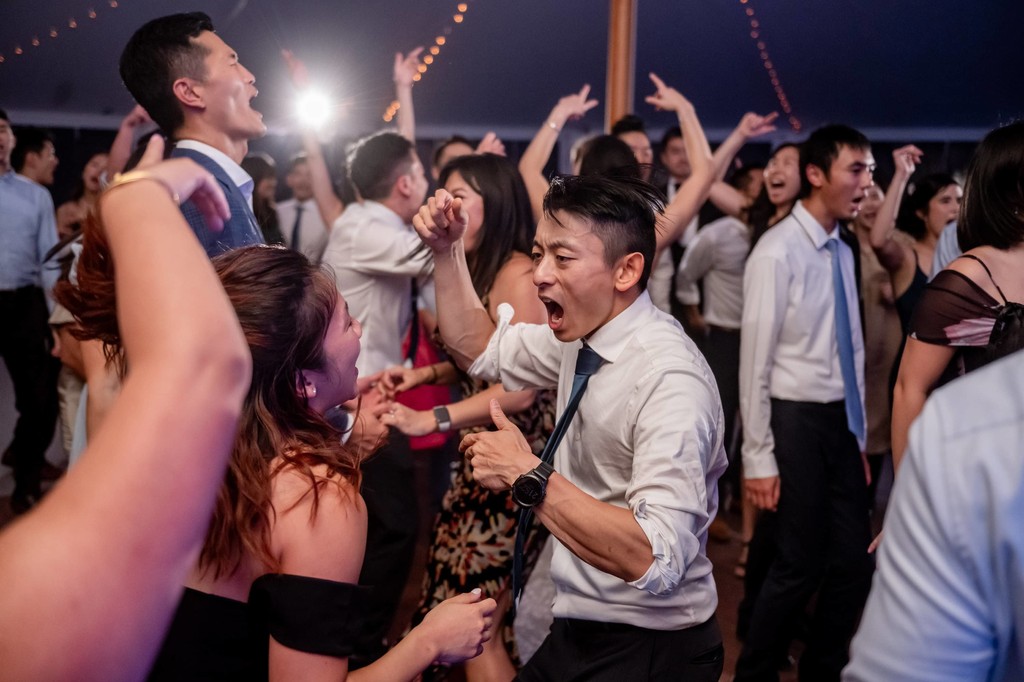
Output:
x=28 y=230
x=194 y=87
x=35 y=155
x=373 y=252
x=802 y=401
x=626 y=484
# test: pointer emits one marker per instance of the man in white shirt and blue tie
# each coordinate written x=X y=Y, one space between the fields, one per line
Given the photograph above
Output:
x=802 y=401
x=630 y=490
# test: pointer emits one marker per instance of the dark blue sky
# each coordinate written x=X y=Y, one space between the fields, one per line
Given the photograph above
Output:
x=879 y=64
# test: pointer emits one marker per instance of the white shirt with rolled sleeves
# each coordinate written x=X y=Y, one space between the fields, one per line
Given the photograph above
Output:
x=648 y=436
x=788 y=336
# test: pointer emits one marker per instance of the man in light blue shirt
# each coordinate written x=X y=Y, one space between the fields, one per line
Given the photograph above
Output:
x=948 y=598
x=947 y=249
x=27 y=231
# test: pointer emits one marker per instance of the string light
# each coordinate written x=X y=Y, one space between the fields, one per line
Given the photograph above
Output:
x=72 y=23
x=769 y=66
x=421 y=70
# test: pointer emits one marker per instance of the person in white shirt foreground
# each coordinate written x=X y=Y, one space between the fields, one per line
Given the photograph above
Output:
x=947 y=603
x=632 y=491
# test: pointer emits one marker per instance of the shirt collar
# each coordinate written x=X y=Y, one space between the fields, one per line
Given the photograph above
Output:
x=812 y=228
x=382 y=212
x=612 y=337
x=243 y=181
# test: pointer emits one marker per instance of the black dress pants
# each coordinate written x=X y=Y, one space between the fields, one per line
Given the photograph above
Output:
x=588 y=651
x=822 y=535
x=25 y=345
x=389 y=491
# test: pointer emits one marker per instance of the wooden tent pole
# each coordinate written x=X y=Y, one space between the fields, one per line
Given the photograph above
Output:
x=621 y=60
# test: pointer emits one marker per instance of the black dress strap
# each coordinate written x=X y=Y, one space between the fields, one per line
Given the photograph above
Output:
x=310 y=614
x=989 y=272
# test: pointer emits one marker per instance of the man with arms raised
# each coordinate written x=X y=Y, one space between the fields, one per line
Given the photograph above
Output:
x=193 y=86
x=632 y=488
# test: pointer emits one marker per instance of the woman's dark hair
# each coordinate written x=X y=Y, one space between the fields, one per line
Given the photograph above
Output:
x=444 y=144
x=761 y=210
x=992 y=212
x=916 y=200
x=79 y=191
x=261 y=166
x=508 y=219
x=608 y=155
x=285 y=305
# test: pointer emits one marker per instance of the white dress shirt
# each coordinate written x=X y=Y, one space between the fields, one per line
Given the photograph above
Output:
x=659 y=284
x=313 y=234
x=788 y=336
x=947 y=601
x=243 y=181
x=718 y=256
x=647 y=437
x=371 y=252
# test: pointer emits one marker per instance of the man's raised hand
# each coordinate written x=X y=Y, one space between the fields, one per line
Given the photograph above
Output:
x=441 y=221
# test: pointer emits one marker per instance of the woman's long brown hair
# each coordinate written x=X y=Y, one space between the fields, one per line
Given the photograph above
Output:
x=284 y=305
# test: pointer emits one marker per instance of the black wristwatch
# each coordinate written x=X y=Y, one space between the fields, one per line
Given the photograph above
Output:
x=529 y=489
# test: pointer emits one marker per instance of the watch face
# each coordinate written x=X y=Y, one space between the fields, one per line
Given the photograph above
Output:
x=528 y=491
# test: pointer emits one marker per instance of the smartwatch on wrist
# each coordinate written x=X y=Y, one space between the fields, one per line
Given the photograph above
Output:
x=444 y=420
x=529 y=489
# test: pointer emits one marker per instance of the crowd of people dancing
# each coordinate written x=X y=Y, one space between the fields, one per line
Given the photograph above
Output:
x=243 y=386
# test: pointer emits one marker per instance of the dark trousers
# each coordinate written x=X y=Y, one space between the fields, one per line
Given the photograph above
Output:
x=578 y=650
x=722 y=351
x=25 y=345
x=389 y=491
x=821 y=535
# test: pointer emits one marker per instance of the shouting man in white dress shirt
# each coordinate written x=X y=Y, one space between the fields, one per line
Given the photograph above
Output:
x=802 y=402
x=632 y=489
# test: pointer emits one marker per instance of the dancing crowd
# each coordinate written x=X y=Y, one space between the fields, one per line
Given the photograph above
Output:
x=243 y=387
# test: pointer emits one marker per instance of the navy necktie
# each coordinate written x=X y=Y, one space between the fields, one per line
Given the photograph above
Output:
x=844 y=339
x=587 y=362
x=297 y=226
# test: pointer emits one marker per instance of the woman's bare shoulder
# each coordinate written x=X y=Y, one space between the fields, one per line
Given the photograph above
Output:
x=321 y=531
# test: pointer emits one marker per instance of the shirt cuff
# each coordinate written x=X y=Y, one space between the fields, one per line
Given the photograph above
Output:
x=688 y=295
x=662 y=575
x=760 y=465
x=486 y=367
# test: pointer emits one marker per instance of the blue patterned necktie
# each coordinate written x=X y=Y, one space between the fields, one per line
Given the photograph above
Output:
x=587 y=362
x=844 y=339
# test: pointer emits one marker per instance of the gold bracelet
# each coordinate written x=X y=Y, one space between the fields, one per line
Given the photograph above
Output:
x=433 y=374
x=122 y=179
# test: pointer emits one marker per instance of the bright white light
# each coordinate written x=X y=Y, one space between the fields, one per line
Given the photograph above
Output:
x=313 y=108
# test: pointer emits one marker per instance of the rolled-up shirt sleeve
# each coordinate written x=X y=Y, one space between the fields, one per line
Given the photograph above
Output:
x=520 y=356
x=765 y=291
x=678 y=450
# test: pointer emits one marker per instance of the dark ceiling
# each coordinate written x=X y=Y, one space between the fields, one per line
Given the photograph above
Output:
x=940 y=68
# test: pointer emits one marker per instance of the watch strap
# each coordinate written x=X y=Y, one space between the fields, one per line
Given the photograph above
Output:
x=444 y=419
